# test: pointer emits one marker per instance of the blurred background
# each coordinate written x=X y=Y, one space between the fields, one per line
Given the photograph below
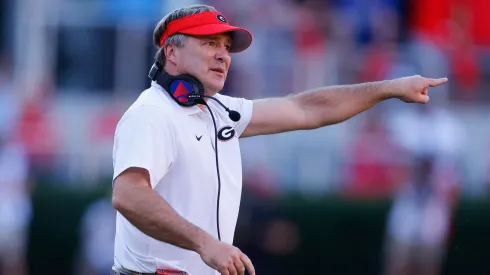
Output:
x=399 y=189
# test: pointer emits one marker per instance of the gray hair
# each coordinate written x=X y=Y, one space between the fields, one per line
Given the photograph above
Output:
x=178 y=39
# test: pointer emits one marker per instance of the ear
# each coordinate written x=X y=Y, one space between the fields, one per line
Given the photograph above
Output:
x=170 y=53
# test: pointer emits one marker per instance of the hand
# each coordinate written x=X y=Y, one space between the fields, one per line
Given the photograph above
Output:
x=414 y=89
x=226 y=259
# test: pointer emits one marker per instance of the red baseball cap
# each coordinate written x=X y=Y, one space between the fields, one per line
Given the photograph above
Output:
x=209 y=23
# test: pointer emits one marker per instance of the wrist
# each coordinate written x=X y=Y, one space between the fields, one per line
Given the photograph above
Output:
x=396 y=87
x=201 y=242
x=389 y=89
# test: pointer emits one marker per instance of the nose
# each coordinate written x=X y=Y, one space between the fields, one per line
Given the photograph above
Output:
x=222 y=55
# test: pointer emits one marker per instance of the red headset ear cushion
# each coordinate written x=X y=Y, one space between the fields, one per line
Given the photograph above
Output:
x=181 y=86
x=180 y=90
x=185 y=89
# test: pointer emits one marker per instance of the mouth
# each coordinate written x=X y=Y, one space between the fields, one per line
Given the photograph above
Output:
x=218 y=70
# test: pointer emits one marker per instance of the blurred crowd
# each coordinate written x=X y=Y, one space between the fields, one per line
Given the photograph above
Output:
x=67 y=76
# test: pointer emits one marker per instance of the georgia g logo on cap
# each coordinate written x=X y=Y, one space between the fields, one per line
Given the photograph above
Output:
x=221 y=18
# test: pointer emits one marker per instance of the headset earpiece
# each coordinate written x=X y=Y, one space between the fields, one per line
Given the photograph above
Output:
x=185 y=89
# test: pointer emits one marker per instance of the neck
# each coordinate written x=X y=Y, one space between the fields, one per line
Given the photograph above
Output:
x=201 y=106
x=170 y=68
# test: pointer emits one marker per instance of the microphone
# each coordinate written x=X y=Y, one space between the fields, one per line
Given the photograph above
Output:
x=233 y=115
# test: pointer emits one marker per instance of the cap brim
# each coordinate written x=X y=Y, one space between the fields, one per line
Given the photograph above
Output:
x=241 y=38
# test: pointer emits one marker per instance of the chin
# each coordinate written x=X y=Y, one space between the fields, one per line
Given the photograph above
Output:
x=215 y=87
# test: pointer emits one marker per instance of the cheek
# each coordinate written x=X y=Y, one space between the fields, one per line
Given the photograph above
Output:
x=201 y=63
x=228 y=64
x=191 y=65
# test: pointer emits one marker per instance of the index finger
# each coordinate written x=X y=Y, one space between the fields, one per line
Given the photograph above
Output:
x=436 y=82
x=248 y=264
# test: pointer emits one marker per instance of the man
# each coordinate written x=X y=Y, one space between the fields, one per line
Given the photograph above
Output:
x=174 y=213
x=15 y=199
x=419 y=222
x=15 y=204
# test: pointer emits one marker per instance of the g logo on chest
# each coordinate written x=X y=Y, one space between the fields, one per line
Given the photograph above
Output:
x=226 y=133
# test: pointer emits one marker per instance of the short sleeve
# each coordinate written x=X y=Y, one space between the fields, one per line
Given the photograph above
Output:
x=241 y=105
x=144 y=138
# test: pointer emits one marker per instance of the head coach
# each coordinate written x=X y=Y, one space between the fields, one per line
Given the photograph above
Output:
x=177 y=167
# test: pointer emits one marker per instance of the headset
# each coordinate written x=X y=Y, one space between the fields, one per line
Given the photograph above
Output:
x=187 y=91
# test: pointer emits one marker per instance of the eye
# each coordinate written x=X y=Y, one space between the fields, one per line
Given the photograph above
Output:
x=211 y=43
x=228 y=47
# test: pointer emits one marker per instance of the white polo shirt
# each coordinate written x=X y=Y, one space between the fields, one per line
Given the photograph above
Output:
x=176 y=145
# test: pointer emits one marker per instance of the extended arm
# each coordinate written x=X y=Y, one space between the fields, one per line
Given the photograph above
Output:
x=334 y=104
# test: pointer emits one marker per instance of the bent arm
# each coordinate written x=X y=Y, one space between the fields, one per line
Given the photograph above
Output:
x=134 y=198
x=315 y=108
